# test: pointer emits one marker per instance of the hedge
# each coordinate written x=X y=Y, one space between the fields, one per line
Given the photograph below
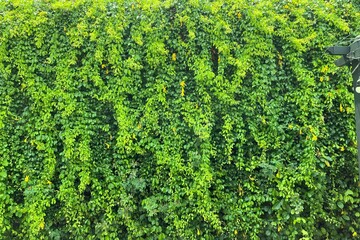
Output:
x=176 y=119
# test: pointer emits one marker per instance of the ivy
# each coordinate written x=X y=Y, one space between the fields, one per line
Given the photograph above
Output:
x=176 y=119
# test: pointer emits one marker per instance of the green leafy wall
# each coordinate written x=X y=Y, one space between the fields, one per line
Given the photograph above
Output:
x=176 y=120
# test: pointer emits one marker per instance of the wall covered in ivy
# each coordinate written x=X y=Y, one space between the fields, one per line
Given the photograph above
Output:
x=176 y=119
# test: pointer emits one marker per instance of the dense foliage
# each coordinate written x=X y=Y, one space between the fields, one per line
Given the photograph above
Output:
x=176 y=120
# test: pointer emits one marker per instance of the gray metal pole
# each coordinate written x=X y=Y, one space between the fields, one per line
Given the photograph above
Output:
x=355 y=69
x=351 y=57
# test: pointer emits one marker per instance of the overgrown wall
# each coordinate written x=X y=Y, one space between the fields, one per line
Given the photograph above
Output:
x=176 y=120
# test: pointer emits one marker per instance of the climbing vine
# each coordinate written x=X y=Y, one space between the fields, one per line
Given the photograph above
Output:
x=176 y=119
